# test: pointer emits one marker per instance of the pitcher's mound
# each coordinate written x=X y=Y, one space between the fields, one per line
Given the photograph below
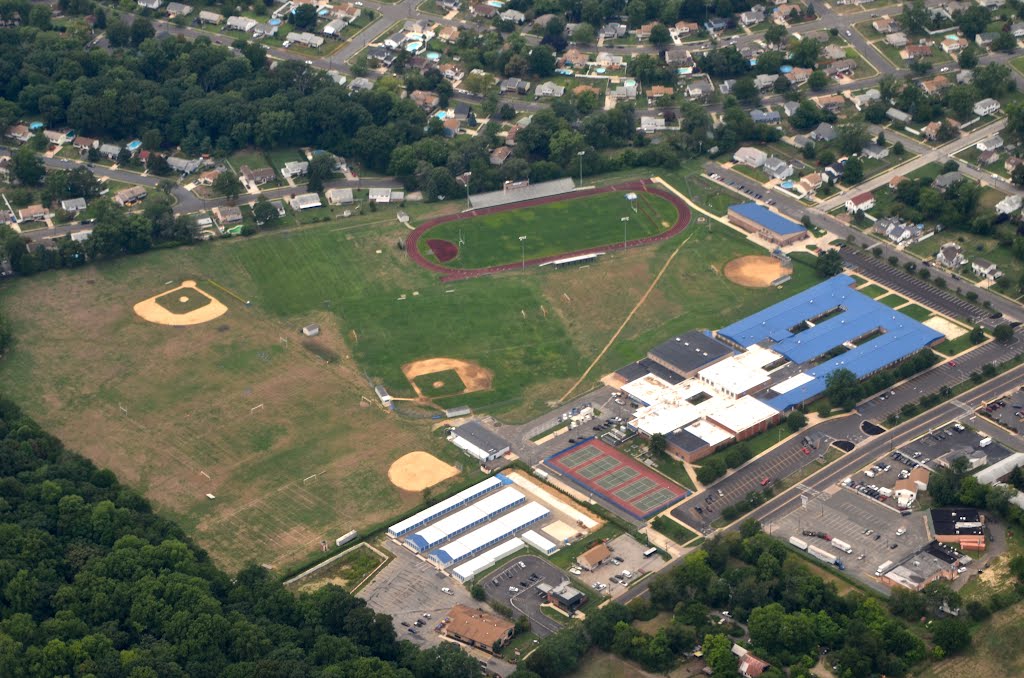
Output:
x=417 y=471
x=755 y=271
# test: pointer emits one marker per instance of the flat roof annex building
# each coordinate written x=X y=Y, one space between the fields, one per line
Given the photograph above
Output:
x=762 y=222
x=479 y=442
x=478 y=628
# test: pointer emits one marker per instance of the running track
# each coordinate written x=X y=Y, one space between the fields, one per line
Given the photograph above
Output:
x=450 y=274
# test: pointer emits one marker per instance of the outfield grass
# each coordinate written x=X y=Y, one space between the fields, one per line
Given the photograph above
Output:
x=554 y=228
x=451 y=384
x=892 y=300
x=916 y=312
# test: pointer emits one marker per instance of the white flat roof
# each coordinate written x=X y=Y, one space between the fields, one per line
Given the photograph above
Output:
x=739 y=373
x=442 y=507
x=475 y=565
x=793 y=382
x=745 y=413
x=708 y=432
x=664 y=419
x=543 y=544
x=505 y=525
x=491 y=504
x=647 y=389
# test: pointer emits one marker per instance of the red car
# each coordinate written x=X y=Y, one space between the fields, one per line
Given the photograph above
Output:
x=952 y=363
x=765 y=481
x=806 y=450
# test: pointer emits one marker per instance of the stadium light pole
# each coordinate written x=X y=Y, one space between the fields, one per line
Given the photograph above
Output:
x=580 y=154
x=522 y=242
x=625 y=222
x=465 y=178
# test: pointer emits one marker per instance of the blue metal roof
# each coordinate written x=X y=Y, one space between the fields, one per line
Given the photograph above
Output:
x=765 y=217
x=419 y=542
x=860 y=315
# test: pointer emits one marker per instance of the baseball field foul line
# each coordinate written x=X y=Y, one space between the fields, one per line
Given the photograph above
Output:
x=629 y=317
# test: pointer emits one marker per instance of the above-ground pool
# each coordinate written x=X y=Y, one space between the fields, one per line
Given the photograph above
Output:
x=434 y=56
x=496 y=3
x=323 y=12
x=599 y=71
x=441 y=115
x=413 y=47
x=787 y=184
x=785 y=69
x=274 y=22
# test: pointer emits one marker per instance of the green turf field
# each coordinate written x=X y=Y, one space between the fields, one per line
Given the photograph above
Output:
x=451 y=384
x=563 y=226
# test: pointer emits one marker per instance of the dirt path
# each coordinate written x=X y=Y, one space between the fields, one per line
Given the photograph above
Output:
x=629 y=317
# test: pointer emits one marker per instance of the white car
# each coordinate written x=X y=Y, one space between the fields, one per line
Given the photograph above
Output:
x=513 y=589
x=445 y=589
x=849 y=34
x=900 y=532
x=944 y=69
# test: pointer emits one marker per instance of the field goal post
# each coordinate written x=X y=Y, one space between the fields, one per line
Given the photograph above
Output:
x=312 y=479
x=254 y=410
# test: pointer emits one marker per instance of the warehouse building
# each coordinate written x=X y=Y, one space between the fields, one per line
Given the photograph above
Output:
x=446 y=506
x=931 y=563
x=766 y=224
x=539 y=542
x=963 y=527
x=482 y=538
x=479 y=442
x=465 y=520
x=487 y=559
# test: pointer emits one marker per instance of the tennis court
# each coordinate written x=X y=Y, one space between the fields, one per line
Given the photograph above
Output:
x=621 y=480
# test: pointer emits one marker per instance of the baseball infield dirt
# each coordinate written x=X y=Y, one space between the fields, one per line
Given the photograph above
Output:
x=155 y=313
x=755 y=271
x=417 y=471
x=475 y=377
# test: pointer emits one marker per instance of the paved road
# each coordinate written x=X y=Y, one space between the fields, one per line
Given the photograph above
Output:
x=872 y=448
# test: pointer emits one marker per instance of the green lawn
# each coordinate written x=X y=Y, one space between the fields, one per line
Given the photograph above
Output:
x=955 y=346
x=893 y=300
x=251 y=157
x=554 y=228
x=449 y=380
x=916 y=312
x=673 y=530
x=874 y=291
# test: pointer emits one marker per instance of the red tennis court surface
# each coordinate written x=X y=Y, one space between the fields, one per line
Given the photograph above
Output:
x=617 y=478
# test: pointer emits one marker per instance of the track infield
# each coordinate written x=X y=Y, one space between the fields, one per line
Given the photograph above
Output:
x=647 y=221
x=616 y=477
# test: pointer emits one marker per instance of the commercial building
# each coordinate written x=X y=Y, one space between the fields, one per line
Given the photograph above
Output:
x=479 y=442
x=931 y=563
x=479 y=513
x=479 y=629
x=487 y=559
x=688 y=353
x=563 y=596
x=964 y=527
x=539 y=542
x=482 y=538
x=592 y=558
x=766 y=224
x=446 y=506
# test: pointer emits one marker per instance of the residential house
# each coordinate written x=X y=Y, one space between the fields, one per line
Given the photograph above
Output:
x=932 y=129
x=823 y=132
x=986 y=107
x=885 y=25
x=1009 y=204
x=207 y=178
x=752 y=17
x=985 y=39
x=832 y=102
x=73 y=205
x=452 y=71
x=765 y=117
x=860 y=203
x=698 y=89
x=950 y=256
x=500 y=155
x=510 y=136
x=991 y=4
x=750 y=666
x=686 y=28
x=257 y=177
x=895 y=229
x=651 y=123
x=347 y=11
x=184 y=166
x=514 y=86
x=985 y=269
x=991 y=144
x=5 y=171
x=936 y=84
x=240 y=23
x=227 y=215
x=914 y=52
x=799 y=76
x=790 y=108
x=381 y=196
x=382 y=55
x=212 y=18
x=783 y=12
x=656 y=92
x=57 y=138
x=513 y=16
x=129 y=196
x=896 y=115
x=109 y=151
x=625 y=92
x=574 y=57
x=425 y=100
x=448 y=34
x=149 y=4
x=334 y=27
x=897 y=39
x=840 y=67
x=85 y=144
x=953 y=45
x=679 y=57
x=360 y=84
x=715 y=24
x=450 y=5
x=1017 y=29
x=944 y=181
x=832 y=173
x=810 y=183
x=609 y=61
x=896 y=181
x=339 y=196
x=483 y=11
x=875 y=152
x=964 y=76
x=865 y=98
x=765 y=80
x=307 y=39
x=461 y=110
x=777 y=168
x=295 y=168
x=478 y=629
x=726 y=86
x=644 y=32
x=1012 y=163
x=34 y=213
x=611 y=31
x=451 y=127
x=988 y=157
x=179 y=9
x=306 y=201
x=750 y=156
x=834 y=52
x=19 y=133
x=549 y=89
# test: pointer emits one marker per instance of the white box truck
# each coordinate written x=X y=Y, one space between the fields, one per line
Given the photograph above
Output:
x=842 y=545
x=798 y=542
x=985 y=442
x=883 y=568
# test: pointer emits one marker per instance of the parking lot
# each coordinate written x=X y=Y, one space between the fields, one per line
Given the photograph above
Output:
x=942 y=441
x=1007 y=411
x=868 y=526
x=515 y=585
x=630 y=553
x=407 y=588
